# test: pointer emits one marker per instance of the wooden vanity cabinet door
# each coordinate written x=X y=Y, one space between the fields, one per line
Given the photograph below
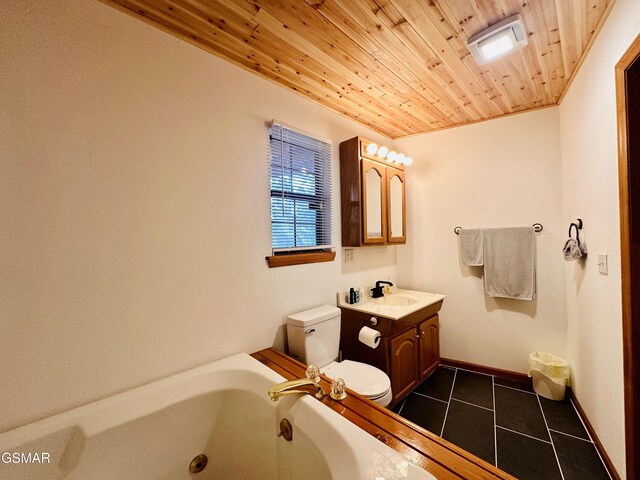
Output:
x=404 y=365
x=429 y=346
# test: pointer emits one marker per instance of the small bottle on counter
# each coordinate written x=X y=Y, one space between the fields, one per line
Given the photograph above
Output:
x=352 y=295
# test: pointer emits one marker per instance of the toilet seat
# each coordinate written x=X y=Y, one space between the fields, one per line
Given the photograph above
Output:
x=367 y=380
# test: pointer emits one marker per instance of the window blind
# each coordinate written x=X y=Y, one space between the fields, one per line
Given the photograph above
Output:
x=300 y=184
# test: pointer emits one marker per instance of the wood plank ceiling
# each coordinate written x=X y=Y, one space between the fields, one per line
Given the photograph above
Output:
x=400 y=67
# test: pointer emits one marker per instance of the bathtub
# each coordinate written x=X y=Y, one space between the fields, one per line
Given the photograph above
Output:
x=220 y=410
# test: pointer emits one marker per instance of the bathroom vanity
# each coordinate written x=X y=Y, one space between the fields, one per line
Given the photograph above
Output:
x=409 y=349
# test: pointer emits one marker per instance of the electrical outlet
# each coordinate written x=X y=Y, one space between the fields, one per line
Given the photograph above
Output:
x=348 y=255
x=603 y=264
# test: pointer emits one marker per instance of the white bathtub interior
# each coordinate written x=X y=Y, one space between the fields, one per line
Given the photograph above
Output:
x=221 y=410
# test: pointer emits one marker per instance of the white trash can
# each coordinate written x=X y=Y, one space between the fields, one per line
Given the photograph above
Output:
x=550 y=374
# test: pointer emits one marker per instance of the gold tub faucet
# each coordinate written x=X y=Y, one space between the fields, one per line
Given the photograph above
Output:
x=296 y=386
x=293 y=386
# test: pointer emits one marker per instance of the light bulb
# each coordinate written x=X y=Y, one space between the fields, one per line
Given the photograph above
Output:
x=382 y=152
x=392 y=156
x=408 y=161
x=372 y=148
x=400 y=158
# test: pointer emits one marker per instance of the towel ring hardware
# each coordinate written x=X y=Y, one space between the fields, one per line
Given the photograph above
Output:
x=537 y=227
x=578 y=226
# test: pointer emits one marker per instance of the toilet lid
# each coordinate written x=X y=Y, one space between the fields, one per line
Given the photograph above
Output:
x=365 y=379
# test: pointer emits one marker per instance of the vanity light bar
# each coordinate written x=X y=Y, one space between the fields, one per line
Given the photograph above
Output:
x=391 y=156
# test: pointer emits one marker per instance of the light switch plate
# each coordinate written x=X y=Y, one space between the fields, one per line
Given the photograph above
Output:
x=603 y=264
x=348 y=255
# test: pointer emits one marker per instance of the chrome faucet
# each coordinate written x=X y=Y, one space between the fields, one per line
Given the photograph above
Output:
x=294 y=386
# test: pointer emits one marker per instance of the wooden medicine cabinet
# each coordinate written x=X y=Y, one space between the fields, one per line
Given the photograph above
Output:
x=372 y=195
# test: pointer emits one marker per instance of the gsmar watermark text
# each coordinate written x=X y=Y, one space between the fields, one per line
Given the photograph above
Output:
x=26 y=457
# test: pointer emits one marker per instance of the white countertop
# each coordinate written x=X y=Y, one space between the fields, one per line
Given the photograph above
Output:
x=395 y=312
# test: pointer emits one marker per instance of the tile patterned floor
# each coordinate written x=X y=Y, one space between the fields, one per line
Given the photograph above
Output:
x=505 y=423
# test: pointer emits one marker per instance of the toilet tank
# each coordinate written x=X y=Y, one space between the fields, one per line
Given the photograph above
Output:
x=314 y=335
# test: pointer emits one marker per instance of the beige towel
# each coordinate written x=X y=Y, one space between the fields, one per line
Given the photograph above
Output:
x=470 y=243
x=510 y=262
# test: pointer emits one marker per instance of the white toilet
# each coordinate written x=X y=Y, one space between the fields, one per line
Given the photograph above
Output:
x=314 y=338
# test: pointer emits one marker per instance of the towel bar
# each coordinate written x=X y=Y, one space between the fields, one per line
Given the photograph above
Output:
x=537 y=227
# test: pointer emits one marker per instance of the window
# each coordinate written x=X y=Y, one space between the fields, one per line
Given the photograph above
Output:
x=300 y=186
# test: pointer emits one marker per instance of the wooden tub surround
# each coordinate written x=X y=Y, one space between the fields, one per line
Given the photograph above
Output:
x=439 y=457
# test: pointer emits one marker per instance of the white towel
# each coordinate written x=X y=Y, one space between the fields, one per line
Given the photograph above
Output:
x=510 y=262
x=574 y=248
x=571 y=250
x=470 y=243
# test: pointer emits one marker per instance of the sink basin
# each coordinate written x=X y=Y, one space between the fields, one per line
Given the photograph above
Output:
x=395 y=300
x=396 y=305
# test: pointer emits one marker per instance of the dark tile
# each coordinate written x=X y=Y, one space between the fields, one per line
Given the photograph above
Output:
x=471 y=428
x=426 y=412
x=520 y=411
x=473 y=388
x=561 y=416
x=397 y=407
x=526 y=457
x=524 y=385
x=438 y=385
x=578 y=458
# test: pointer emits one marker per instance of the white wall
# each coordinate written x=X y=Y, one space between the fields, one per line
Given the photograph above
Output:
x=134 y=216
x=590 y=191
x=503 y=172
x=134 y=225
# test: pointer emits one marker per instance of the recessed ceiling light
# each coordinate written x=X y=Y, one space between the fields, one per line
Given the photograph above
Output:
x=498 y=40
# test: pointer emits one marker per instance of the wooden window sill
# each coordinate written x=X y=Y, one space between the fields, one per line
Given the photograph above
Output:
x=299 y=259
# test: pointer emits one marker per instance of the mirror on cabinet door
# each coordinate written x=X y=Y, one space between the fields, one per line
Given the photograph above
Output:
x=396 y=206
x=374 y=219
